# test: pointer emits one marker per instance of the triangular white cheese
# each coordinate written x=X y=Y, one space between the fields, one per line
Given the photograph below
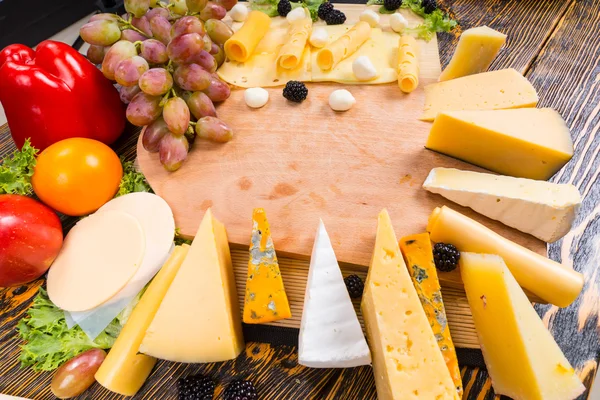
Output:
x=330 y=334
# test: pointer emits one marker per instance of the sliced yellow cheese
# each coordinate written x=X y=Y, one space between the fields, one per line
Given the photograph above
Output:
x=206 y=285
x=521 y=356
x=418 y=255
x=527 y=143
x=344 y=46
x=265 y=298
x=291 y=53
x=546 y=278
x=241 y=45
x=476 y=49
x=125 y=370
x=493 y=90
x=407 y=362
x=408 y=63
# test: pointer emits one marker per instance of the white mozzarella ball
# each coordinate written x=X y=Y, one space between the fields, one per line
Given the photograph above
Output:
x=256 y=97
x=370 y=17
x=363 y=69
x=398 y=23
x=296 y=14
x=239 y=12
x=319 y=37
x=341 y=100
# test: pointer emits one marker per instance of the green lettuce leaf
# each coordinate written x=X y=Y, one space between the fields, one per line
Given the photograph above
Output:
x=132 y=181
x=269 y=7
x=16 y=171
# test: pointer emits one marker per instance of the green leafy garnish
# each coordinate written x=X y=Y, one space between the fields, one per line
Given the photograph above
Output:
x=269 y=7
x=179 y=240
x=383 y=10
x=16 y=171
x=132 y=181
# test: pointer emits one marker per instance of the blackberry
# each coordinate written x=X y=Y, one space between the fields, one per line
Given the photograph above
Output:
x=284 y=7
x=335 y=17
x=354 y=285
x=392 y=5
x=446 y=257
x=429 y=6
x=197 y=387
x=240 y=390
x=295 y=91
x=324 y=10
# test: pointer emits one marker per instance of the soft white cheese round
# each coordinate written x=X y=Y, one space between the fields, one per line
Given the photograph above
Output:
x=363 y=69
x=398 y=23
x=370 y=17
x=239 y=12
x=319 y=37
x=296 y=14
x=341 y=100
x=256 y=97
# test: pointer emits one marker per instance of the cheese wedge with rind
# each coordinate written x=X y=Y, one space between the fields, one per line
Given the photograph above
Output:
x=344 y=46
x=494 y=90
x=407 y=361
x=242 y=44
x=545 y=278
x=521 y=356
x=330 y=333
x=292 y=51
x=529 y=143
x=476 y=49
x=543 y=209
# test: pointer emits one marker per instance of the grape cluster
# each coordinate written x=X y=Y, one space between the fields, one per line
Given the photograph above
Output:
x=164 y=57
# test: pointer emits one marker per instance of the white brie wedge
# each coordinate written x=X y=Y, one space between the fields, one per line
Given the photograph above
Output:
x=330 y=334
x=543 y=209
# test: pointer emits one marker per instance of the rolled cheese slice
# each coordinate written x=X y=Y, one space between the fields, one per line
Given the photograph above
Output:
x=408 y=64
x=291 y=52
x=241 y=45
x=344 y=46
x=543 y=277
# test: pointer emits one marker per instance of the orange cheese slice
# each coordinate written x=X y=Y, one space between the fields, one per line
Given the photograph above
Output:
x=241 y=45
x=408 y=64
x=292 y=51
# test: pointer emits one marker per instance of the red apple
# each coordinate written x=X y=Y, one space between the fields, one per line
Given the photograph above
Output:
x=30 y=239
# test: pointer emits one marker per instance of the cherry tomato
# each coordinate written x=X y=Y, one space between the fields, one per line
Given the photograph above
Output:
x=77 y=176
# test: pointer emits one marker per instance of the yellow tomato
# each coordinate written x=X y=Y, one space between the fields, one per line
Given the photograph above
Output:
x=77 y=176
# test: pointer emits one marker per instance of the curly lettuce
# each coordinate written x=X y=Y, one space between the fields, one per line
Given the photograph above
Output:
x=132 y=181
x=269 y=7
x=16 y=171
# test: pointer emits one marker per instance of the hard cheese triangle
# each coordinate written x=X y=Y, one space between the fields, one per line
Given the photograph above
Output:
x=407 y=361
x=521 y=356
x=198 y=320
x=330 y=334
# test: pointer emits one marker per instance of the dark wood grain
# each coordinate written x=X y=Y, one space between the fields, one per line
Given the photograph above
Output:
x=556 y=45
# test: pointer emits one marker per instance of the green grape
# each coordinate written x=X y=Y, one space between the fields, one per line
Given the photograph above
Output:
x=100 y=32
x=207 y=43
x=137 y=7
x=161 y=28
x=220 y=56
x=176 y=115
x=156 y=81
x=143 y=24
x=213 y=11
x=196 y=5
x=173 y=151
x=179 y=7
x=185 y=48
x=127 y=93
x=213 y=129
x=76 y=375
x=153 y=133
x=217 y=90
x=192 y=77
x=105 y=16
x=143 y=109
x=96 y=53
x=187 y=24
x=200 y=105
x=228 y=4
x=154 y=51
x=117 y=53
x=218 y=31
x=129 y=71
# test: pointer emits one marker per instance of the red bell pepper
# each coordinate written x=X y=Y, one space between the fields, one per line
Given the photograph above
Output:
x=54 y=93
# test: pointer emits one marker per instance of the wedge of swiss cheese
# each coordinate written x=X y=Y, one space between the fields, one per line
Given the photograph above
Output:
x=407 y=362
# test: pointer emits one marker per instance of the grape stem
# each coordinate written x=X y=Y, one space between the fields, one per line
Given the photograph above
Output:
x=192 y=123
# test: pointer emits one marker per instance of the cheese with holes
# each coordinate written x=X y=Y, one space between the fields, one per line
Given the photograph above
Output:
x=330 y=334
x=418 y=255
x=201 y=309
x=408 y=63
x=343 y=46
x=493 y=90
x=125 y=370
x=242 y=44
x=477 y=48
x=292 y=51
x=407 y=362
x=265 y=299
x=543 y=209
x=521 y=356
x=543 y=277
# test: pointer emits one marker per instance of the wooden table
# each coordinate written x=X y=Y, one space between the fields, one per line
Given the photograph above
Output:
x=556 y=45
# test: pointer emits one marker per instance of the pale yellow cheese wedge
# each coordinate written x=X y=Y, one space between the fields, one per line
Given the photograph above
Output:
x=125 y=370
x=521 y=356
x=408 y=63
x=344 y=46
x=201 y=310
x=241 y=45
x=407 y=362
x=527 y=143
x=494 y=90
x=543 y=277
x=292 y=51
x=476 y=49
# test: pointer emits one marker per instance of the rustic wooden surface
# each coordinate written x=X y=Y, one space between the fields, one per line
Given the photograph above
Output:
x=555 y=44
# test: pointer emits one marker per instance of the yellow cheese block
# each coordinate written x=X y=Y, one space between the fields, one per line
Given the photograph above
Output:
x=241 y=45
x=477 y=48
x=529 y=143
x=547 y=279
x=292 y=51
x=201 y=309
x=408 y=63
x=344 y=46
x=493 y=90
x=407 y=362
x=418 y=255
x=125 y=370
x=265 y=298
x=521 y=356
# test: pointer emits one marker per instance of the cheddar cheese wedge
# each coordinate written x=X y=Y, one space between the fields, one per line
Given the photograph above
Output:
x=344 y=46
x=408 y=64
x=292 y=51
x=240 y=46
